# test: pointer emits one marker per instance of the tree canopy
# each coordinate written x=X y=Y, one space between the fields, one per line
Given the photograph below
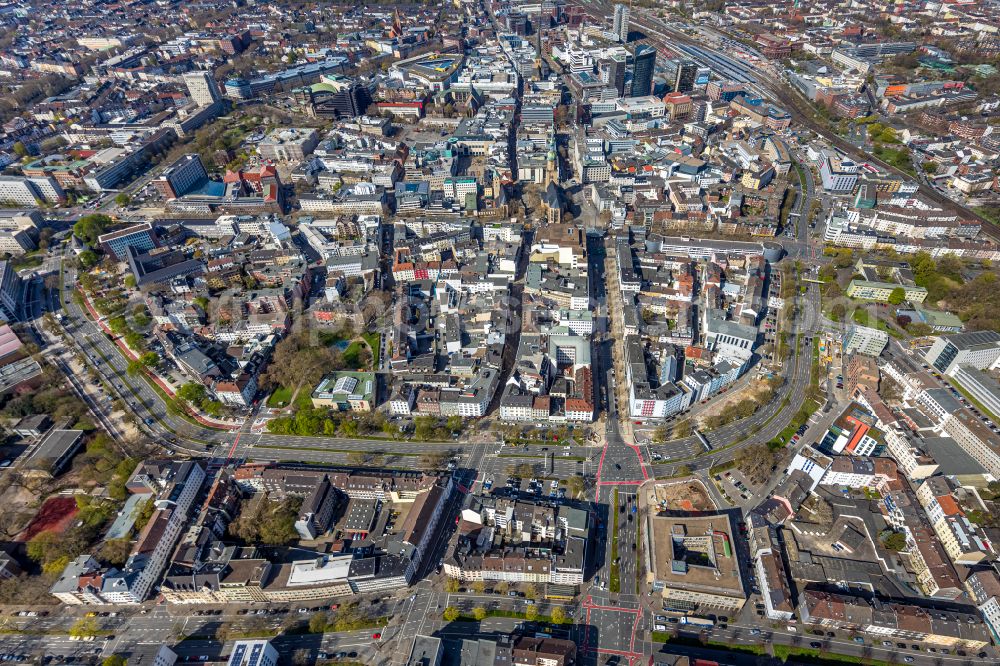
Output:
x=89 y=227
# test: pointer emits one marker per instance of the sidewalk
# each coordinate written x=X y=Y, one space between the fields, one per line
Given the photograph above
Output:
x=166 y=388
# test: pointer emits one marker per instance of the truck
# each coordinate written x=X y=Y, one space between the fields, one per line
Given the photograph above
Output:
x=697 y=621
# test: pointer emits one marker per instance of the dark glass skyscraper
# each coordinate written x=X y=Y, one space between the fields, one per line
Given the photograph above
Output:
x=687 y=74
x=643 y=64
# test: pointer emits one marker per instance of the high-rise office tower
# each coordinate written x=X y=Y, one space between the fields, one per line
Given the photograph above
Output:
x=612 y=72
x=686 y=75
x=643 y=64
x=202 y=88
x=620 y=24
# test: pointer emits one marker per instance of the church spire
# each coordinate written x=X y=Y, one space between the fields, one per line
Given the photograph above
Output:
x=397 y=27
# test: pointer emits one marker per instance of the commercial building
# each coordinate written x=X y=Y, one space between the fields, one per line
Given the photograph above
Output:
x=288 y=144
x=980 y=384
x=838 y=173
x=11 y=292
x=694 y=564
x=853 y=433
x=979 y=349
x=253 y=653
x=54 y=452
x=865 y=340
x=426 y=651
x=346 y=391
x=643 y=66
x=685 y=76
x=181 y=177
x=139 y=236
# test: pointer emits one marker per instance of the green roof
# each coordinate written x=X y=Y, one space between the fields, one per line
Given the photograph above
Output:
x=322 y=87
x=940 y=318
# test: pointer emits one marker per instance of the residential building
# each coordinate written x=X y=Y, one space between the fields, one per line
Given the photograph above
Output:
x=965 y=542
x=30 y=191
x=984 y=589
x=861 y=372
x=881 y=291
x=772 y=574
x=202 y=88
x=620 y=23
x=953 y=629
x=975 y=437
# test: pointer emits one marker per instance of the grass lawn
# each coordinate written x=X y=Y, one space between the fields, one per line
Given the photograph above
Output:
x=897 y=157
x=304 y=398
x=352 y=355
x=280 y=398
x=374 y=341
x=29 y=260
x=860 y=316
x=816 y=656
x=516 y=615
x=988 y=213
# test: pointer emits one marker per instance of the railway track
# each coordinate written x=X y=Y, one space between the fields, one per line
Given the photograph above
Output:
x=797 y=108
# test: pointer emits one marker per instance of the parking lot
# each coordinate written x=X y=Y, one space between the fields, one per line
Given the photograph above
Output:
x=736 y=486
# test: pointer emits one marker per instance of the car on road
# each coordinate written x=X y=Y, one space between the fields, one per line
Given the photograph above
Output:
x=376 y=636
x=815 y=644
x=908 y=659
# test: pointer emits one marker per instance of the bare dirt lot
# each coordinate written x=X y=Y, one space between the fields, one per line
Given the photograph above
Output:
x=684 y=496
